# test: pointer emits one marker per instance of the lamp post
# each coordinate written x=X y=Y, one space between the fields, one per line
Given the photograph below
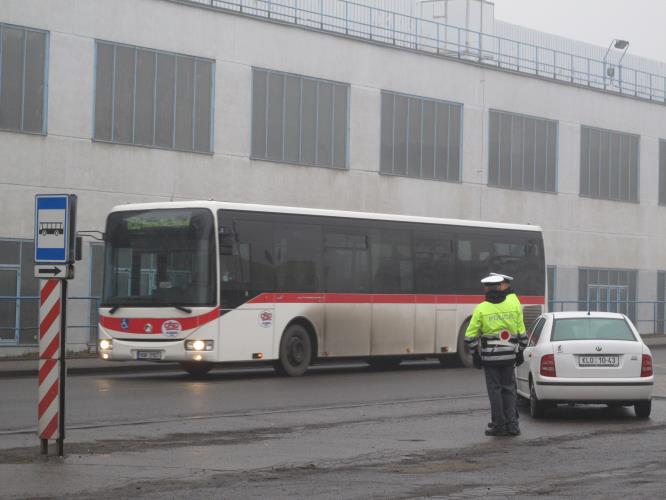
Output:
x=609 y=71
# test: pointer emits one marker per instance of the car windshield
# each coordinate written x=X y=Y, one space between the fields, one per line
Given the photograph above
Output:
x=160 y=258
x=591 y=329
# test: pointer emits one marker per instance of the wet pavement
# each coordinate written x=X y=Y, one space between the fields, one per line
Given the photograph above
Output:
x=338 y=432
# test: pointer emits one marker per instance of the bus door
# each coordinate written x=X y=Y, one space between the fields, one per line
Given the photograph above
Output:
x=246 y=290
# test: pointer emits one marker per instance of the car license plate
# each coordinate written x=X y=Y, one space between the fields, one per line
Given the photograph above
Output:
x=601 y=361
x=149 y=355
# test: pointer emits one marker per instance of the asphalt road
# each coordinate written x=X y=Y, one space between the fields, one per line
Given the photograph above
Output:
x=338 y=432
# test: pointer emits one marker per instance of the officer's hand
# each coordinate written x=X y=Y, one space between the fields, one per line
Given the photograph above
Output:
x=476 y=359
x=520 y=357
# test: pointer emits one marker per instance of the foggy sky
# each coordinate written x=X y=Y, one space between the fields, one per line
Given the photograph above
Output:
x=642 y=22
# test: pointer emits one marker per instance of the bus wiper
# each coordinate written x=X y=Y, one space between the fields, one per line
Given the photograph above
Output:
x=184 y=309
x=113 y=309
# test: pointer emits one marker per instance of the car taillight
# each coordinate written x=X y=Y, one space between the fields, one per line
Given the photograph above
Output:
x=646 y=366
x=547 y=368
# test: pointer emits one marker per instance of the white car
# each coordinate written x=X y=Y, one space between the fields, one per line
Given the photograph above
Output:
x=588 y=358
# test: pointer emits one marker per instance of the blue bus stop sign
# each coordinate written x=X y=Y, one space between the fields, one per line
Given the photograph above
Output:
x=55 y=222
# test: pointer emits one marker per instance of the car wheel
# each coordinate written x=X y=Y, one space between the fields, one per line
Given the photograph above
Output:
x=643 y=408
x=295 y=352
x=197 y=369
x=537 y=407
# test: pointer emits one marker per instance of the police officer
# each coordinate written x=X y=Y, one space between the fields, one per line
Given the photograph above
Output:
x=496 y=334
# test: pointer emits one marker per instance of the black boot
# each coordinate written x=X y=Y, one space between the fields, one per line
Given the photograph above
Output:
x=495 y=431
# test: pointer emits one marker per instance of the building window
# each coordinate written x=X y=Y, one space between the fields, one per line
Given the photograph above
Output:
x=609 y=165
x=151 y=98
x=23 y=62
x=19 y=293
x=662 y=172
x=611 y=290
x=301 y=120
x=420 y=137
x=523 y=152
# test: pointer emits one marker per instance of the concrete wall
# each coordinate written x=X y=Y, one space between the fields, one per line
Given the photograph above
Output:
x=578 y=231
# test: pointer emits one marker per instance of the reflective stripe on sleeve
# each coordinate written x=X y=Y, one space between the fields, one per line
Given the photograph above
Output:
x=505 y=357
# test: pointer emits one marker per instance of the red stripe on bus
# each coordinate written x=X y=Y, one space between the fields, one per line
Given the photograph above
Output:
x=363 y=298
x=49 y=286
x=51 y=428
x=137 y=325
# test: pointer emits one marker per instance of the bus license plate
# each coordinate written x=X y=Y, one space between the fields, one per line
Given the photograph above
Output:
x=601 y=361
x=149 y=355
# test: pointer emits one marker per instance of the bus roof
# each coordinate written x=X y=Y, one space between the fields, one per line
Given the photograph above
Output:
x=217 y=205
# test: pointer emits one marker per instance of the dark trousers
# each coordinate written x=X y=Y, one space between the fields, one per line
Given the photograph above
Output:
x=501 y=385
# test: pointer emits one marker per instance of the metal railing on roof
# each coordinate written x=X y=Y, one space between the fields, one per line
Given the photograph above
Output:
x=378 y=25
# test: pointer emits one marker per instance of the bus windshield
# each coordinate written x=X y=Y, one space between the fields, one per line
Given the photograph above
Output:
x=160 y=257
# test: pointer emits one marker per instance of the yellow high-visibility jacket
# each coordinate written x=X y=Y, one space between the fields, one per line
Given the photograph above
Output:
x=499 y=328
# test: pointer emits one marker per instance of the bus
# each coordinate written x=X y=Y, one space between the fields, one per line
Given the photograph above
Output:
x=203 y=283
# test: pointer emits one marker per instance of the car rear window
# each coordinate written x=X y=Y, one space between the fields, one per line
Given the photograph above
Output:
x=591 y=329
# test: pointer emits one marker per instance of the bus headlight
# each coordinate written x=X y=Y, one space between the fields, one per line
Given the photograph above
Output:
x=106 y=344
x=198 y=345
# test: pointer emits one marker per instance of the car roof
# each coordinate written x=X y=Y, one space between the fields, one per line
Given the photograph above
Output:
x=585 y=314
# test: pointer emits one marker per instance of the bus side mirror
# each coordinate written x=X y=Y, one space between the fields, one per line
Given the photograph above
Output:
x=78 y=248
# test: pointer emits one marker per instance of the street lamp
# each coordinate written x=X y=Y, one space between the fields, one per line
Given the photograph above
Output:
x=609 y=71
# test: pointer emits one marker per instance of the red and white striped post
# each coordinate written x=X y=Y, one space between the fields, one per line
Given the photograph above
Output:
x=51 y=406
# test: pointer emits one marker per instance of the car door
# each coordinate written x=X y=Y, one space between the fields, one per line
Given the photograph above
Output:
x=523 y=371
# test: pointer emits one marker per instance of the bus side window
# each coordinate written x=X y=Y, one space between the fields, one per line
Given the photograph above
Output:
x=346 y=260
x=434 y=262
x=297 y=257
x=392 y=265
x=473 y=260
x=246 y=259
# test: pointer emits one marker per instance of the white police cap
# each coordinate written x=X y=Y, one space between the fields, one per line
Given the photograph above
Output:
x=503 y=276
x=492 y=279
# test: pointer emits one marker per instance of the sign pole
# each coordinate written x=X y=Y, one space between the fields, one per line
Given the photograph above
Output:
x=50 y=403
x=55 y=232
x=63 y=369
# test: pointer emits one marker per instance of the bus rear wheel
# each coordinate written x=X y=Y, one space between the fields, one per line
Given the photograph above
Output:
x=197 y=369
x=463 y=356
x=295 y=352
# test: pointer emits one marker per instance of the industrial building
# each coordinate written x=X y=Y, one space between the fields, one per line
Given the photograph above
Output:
x=416 y=107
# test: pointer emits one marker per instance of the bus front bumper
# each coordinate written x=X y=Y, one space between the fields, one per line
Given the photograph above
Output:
x=124 y=350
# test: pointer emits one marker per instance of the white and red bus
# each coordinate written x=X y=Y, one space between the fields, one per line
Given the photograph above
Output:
x=208 y=282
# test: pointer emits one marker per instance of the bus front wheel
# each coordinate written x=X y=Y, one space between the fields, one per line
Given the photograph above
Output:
x=295 y=352
x=198 y=369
